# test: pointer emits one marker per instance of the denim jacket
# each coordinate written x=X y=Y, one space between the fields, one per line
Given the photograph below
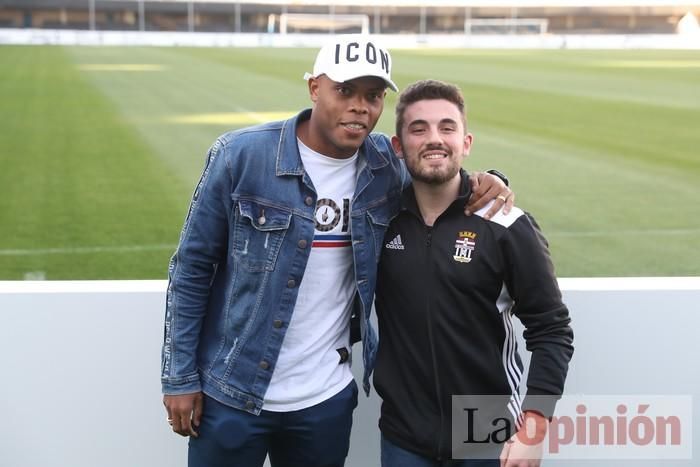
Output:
x=234 y=278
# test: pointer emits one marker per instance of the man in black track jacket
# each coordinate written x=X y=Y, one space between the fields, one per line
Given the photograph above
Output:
x=448 y=287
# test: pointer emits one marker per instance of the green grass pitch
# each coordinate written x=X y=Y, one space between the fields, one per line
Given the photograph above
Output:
x=101 y=147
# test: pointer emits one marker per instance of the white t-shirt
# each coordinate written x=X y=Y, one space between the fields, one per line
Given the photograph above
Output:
x=308 y=369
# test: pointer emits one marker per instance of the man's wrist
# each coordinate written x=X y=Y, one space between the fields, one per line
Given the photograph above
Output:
x=500 y=175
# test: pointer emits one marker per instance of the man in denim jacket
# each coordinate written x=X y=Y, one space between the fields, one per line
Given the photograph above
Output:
x=279 y=249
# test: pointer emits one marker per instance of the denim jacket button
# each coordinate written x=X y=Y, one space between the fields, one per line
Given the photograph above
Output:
x=262 y=220
x=302 y=244
x=250 y=405
x=291 y=283
x=277 y=323
x=264 y=365
x=309 y=201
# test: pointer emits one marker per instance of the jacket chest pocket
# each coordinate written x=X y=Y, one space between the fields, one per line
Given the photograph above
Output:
x=258 y=234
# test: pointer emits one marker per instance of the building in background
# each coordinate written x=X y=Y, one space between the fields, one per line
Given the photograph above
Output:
x=346 y=16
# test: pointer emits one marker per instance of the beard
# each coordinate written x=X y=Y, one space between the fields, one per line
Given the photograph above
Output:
x=432 y=175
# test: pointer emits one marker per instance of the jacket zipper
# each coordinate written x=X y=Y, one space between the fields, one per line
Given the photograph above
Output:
x=428 y=245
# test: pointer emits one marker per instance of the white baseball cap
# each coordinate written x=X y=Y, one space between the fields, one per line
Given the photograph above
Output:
x=351 y=56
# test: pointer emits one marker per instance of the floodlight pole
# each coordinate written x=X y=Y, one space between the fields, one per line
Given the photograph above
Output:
x=377 y=20
x=190 y=16
x=467 y=21
x=422 y=21
x=238 y=17
x=92 y=15
x=142 y=16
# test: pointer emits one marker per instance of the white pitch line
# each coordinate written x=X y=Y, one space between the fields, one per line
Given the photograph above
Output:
x=85 y=250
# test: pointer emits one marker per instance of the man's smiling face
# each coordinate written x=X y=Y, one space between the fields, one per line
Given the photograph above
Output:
x=344 y=114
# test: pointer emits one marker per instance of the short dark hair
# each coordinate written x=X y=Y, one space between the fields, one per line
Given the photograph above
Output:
x=428 y=89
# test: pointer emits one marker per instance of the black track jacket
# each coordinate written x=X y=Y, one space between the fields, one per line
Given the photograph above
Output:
x=445 y=297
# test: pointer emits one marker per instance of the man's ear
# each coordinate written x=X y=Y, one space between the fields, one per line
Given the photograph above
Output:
x=313 y=89
x=396 y=144
x=468 y=140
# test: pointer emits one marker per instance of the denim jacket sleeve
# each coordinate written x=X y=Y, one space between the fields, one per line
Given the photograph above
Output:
x=192 y=269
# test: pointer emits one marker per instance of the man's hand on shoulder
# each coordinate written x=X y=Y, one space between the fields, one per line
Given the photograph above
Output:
x=184 y=412
x=487 y=187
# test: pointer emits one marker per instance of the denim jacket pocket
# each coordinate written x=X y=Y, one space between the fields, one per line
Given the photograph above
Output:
x=258 y=232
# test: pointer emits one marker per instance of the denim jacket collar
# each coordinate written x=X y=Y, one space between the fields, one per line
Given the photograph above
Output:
x=289 y=160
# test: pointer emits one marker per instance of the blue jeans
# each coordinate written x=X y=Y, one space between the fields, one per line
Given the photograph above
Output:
x=394 y=456
x=318 y=436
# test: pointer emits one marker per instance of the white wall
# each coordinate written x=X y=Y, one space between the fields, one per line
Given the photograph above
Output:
x=80 y=366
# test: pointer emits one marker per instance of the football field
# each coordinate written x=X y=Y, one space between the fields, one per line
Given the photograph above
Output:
x=100 y=148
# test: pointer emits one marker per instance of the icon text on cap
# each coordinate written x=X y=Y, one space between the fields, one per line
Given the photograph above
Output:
x=352 y=54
